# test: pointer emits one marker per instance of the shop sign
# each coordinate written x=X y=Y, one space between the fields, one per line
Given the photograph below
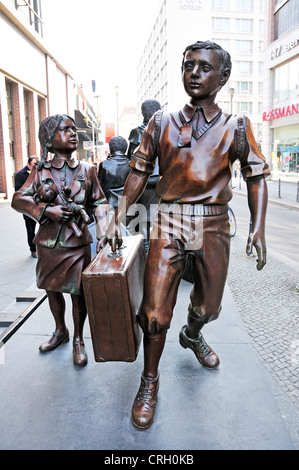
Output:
x=280 y=49
x=278 y=113
x=87 y=145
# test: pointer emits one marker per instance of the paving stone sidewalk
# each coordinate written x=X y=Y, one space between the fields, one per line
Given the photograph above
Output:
x=271 y=316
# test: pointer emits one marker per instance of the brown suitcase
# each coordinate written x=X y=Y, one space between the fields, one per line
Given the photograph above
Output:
x=113 y=288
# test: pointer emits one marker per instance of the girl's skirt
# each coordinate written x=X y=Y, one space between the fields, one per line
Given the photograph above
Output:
x=59 y=269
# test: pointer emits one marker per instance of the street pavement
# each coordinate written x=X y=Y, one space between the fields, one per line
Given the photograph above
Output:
x=48 y=403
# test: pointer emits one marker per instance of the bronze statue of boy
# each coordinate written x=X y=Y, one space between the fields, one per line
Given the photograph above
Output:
x=196 y=150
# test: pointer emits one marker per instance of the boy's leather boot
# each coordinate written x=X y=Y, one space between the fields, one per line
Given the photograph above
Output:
x=191 y=337
x=145 y=402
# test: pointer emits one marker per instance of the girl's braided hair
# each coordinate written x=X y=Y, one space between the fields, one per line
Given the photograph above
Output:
x=47 y=131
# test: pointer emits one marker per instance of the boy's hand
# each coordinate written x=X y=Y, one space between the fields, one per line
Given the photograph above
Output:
x=114 y=235
x=259 y=243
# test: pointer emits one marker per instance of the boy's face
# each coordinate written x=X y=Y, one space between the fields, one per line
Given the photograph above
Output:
x=65 y=138
x=202 y=77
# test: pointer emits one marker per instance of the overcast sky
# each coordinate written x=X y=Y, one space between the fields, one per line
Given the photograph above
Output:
x=100 y=40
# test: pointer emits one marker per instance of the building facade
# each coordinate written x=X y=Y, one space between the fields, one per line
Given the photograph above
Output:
x=237 y=25
x=128 y=121
x=281 y=106
x=33 y=85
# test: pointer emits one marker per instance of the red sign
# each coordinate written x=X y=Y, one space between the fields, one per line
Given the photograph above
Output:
x=281 y=112
x=109 y=132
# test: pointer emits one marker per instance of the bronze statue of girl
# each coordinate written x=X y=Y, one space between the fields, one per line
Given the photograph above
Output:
x=61 y=254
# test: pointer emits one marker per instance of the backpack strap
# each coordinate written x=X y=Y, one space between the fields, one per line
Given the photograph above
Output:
x=241 y=136
x=157 y=131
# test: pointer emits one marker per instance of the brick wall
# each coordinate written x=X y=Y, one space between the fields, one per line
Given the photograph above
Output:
x=3 y=186
x=42 y=109
x=17 y=127
x=31 y=124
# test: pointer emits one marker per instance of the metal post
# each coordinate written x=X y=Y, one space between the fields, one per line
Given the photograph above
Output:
x=93 y=144
x=298 y=191
x=279 y=188
x=231 y=92
x=117 y=122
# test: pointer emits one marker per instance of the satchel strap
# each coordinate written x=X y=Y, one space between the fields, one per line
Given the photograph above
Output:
x=157 y=131
x=241 y=136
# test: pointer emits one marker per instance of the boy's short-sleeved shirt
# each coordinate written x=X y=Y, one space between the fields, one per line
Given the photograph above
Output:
x=199 y=172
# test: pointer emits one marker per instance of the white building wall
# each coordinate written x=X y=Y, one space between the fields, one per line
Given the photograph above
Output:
x=187 y=22
x=7 y=160
x=25 y=60
x=20 y=58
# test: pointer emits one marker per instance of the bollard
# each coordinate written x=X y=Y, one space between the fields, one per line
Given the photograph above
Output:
x=279 y=188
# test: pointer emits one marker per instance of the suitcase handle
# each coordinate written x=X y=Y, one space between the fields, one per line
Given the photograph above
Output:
x=117 y=253
x=114 y=255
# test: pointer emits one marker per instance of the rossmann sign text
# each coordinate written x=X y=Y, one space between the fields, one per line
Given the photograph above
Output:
x=278 y=113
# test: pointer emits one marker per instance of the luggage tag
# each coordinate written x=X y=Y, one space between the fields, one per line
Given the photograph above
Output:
x=185 y=136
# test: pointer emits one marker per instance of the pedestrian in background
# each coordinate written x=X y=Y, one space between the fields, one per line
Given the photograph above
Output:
x=20 y=178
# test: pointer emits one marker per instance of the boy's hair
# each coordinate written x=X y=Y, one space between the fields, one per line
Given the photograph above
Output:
x=47 y=131
x=148 y=108
x=118 y=143
x=224 y=56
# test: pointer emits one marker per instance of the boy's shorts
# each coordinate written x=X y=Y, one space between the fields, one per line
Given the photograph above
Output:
x=173 y=237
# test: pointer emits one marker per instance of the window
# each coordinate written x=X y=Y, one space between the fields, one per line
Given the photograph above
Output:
x=243 y=67
x=259 y=132
x=221 y=4
x=261 y=68
x=245 y=88
x=32 y=11
x=286 y=80
x=286 y=18
x=244 y=47
x=220 y=24
x=244 y=25
x=224 y=43
x=261 y=88
x=260 y=107
x=244 y=5
x=245 y=107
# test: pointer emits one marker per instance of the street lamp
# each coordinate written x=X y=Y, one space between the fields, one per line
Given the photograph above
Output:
x=231 y=92
x=116 y=92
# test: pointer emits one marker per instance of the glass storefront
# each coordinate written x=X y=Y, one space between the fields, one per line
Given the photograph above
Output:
x=285 y=157
x=286 y=81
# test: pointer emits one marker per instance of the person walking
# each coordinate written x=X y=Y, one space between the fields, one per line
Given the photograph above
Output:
x=20 y=179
